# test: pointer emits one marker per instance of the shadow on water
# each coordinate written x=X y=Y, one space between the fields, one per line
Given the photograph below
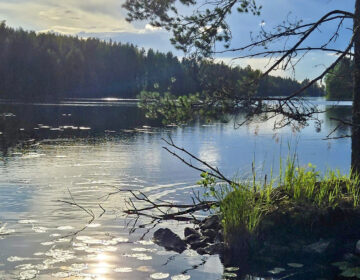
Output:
x=333 y=114
x=27 y=123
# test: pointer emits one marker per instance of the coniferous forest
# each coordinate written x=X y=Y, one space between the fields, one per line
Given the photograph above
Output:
x=38 y=66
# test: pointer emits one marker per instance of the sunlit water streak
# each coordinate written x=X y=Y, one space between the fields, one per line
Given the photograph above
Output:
x=37 y=237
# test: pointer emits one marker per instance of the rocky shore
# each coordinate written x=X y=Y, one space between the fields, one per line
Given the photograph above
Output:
x=316 y=242
x=205 y=238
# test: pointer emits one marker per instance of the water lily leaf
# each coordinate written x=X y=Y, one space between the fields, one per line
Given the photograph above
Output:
x=295 y=265
x=341 y=265
x=348 y=273
x=231 y=269
x=159 y=275
x=229 y=274
x=277 y=270
x=180 y=277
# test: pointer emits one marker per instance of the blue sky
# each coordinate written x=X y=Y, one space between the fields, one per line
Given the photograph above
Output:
x=105 y=19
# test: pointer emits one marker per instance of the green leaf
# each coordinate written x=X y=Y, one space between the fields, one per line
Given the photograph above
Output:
x=348 y=273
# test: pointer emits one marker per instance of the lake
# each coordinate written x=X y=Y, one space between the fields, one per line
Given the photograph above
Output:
x=80 y=151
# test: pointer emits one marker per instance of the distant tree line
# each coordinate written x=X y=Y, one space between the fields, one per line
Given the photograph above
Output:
x=339 y=81
x=49 y=66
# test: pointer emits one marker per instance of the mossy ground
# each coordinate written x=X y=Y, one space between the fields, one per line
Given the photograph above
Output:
x=287 y=219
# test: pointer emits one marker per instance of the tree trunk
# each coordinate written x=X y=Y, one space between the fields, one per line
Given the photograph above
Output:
x=355 y=146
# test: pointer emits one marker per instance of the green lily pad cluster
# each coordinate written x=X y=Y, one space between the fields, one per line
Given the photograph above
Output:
x=348 y=269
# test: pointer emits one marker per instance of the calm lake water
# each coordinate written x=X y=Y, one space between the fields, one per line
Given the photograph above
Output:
x=82 y=150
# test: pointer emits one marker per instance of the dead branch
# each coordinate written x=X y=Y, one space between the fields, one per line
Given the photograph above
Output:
x=215 y=172
x=182 y=211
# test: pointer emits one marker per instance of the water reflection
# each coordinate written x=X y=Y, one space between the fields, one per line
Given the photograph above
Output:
x=338 y=113
x=47 y=157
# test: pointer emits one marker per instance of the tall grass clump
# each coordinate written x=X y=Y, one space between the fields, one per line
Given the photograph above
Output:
x=243 y=204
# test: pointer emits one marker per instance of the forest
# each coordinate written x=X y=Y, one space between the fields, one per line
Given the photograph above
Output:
x=39 y=66
x=339 y=81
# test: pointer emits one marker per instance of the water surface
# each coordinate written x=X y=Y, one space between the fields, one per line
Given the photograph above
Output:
x=80 y=151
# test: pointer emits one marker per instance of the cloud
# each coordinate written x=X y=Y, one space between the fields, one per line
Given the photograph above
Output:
x=260 y=63
x=149 y=27
x=105 y=19
x=309 y=66
x=67 y=16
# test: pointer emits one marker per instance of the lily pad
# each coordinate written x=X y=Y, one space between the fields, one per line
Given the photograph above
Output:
x=180 y=277
x=159 y=275
x=295 y=265
x=277 y=270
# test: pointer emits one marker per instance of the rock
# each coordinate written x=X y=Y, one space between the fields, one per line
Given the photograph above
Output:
x=220 y=235
x=192 y=238
x=212 y=222
x=190 y=231
x=213 y=249
x=202 y=243
x=206 y=239
x=166 y=238
x=201 y=251
x=211 y=233
x=318 y=247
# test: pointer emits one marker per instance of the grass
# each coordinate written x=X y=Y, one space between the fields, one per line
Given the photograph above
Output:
x=244 y=204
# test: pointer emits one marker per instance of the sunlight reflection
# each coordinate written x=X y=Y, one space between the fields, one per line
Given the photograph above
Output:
x=102 y=267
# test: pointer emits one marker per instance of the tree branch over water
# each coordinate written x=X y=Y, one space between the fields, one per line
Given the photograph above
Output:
x=229 y=99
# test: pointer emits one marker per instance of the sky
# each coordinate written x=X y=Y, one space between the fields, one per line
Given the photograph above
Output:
x=105 y=19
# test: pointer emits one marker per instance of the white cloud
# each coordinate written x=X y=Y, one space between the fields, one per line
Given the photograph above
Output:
x=309 y=66
x=149 y=27
x=260 y=63
x=67 y=16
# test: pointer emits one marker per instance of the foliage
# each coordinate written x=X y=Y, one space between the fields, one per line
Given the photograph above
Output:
x=199 y=30
x=348 y=269
x=169 y=109
x=339 y=81
x=50 y=66
x=223 y=91
x=244 y=204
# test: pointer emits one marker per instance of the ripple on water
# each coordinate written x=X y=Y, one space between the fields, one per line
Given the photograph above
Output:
x=78 y=267
x=61 y=274
x=39 y=229
x=49 y=243
x=145 y=242
x=5 y=231
x=143 y=250
x=145 y=268
x=27 y=221
x=94 y=225
x=139 y=256
x=26 y=266
x=60 y=255
x=32 y=155
x=91 y=240
x=18 y=259
x=65 y=228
